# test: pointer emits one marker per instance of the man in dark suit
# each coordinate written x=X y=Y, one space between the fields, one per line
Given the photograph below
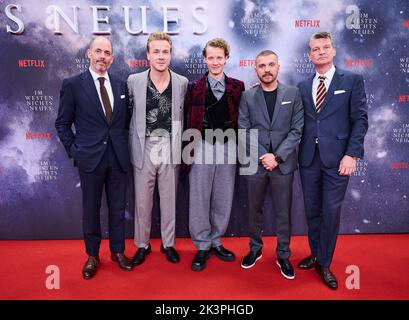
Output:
x=335 y=124
x=275 y=110
x=212 y=104
x=97 y=104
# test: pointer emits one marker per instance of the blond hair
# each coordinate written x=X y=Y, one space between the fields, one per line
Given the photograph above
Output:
x=158 y=36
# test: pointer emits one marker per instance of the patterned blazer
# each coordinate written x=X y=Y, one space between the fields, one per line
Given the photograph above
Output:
x=195 y=101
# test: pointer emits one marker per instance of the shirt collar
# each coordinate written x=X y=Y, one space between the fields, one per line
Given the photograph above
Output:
x=213 y=82
x=95 y=75
x=328 y=75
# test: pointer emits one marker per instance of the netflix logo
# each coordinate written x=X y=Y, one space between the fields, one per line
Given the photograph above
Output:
x=247 y=63
x=307 y=23
x=357 y=62
x=138 y=63
x=399 y=165
x=27 y=63
x=38 y=136
x=403 y=98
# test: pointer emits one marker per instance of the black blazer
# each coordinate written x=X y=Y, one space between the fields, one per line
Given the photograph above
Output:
x=80 y=105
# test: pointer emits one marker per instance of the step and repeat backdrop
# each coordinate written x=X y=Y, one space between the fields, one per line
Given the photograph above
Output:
x=43 y=42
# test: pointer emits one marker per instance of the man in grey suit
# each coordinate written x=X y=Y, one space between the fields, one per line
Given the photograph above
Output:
x=276 y=111
x=155 y=137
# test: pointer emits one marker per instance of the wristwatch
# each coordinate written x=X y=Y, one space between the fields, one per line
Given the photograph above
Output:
x=278 y=159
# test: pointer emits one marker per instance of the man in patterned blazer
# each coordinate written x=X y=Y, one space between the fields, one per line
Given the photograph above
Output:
x=212 y=103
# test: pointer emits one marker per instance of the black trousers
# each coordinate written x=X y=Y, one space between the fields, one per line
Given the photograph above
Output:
x=281 y=188
x=110 y=175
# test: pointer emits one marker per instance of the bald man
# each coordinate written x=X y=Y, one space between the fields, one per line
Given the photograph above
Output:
x=97 y=104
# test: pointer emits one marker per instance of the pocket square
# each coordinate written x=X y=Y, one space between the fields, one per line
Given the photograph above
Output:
x=122 y=96
x=285 y=102
x=339 y=91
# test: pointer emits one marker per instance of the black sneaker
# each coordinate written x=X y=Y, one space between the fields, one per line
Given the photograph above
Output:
x=286 y=268
x=250 y=260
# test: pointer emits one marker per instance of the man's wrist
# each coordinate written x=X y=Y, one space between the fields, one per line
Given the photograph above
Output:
x=279 y=159
x=355 y=158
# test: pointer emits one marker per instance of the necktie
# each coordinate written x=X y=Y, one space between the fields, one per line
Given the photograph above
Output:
x=105 y=99
x=321 y=92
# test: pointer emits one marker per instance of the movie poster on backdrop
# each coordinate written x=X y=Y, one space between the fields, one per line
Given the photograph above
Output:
x=44 y=42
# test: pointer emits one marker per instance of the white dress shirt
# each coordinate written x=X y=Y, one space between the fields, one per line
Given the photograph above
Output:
x=328 y=78
x=107 y=85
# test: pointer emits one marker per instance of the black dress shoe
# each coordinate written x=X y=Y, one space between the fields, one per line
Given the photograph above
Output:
x=171 y=253
x=307 y=263
x=251 y=258
x=223 y=254
x=327 y=277
x=199 y=262
x=286 y=268
x=90 y=268
x=140 y=255
x=123 y=261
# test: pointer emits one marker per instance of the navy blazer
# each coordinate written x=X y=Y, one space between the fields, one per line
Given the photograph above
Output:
x=80 y=105
x=341 y=124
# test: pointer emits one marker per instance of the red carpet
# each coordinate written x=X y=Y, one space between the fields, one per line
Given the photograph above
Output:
x=382 y=260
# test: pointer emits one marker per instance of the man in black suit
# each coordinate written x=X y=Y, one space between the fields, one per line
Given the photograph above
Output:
x=97 y=104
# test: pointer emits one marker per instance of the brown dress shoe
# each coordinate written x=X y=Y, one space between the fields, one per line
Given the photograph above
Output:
x=327 y=277
x=123 y=261
x=90 y=267
x=307 y=263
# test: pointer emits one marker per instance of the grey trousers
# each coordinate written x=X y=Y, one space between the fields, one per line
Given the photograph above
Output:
x=281 y=188
x=145 y=179
x=211 y=196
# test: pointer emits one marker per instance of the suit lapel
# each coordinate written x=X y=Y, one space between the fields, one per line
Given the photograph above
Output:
x=261 y=102
x=280 y=97
x=310 y=95
x=334 y=85
x=141 y=85
x=90 y=90
x=116 y=91
x=175 y=94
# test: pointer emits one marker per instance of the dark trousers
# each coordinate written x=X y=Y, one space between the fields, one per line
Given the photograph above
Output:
x=281 y=188
x=324 y=190
x=108 y=173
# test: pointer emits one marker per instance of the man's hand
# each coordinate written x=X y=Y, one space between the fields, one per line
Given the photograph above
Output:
x=347 y=166
x=268 y=161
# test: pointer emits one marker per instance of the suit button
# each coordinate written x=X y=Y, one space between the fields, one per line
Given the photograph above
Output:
x=105 y=142
x=318 y=121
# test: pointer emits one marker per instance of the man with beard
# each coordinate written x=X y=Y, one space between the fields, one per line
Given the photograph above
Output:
x=155 y=135
x=96 y=103
x=276 y=111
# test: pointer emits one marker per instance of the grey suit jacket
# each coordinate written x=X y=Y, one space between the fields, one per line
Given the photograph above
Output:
x=283 y=132
x=137 y=86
